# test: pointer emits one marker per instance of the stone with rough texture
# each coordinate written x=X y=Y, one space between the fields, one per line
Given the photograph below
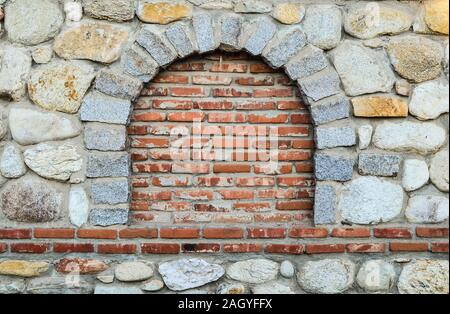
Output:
x=204 y=31
x=429 y=100
x=78 y=206
x=439 y=171
x=137 y=62
x=330 y=137
x=42 y=54
x=133 y=271
x=310 y=60
x=426 y=209
x=21 y=268
x=403 y=88
x=362 y=70
x=424 y=277
x=272 y=288
x=231 y=288
x=214 y=4
x=106 y=276
x=98 y=107
x=105 y=217
x=159 y=48
x=330 y=109
x=99 y=42
x=365 y=136
x=287 y=269
x=191 y=273
x=82 y=266
x=152 y=285
x=436 y=15
x=289 y=13
x=11 y=162
x=257 y=35
x=117 y=84
x=376 y=275
x=285 y=47
x=101 y=165
x=29 y=126
x=321 y=84
x=15 y=66
x=73 y=11
x=53 y=162
x=387 y=165
x=368 y=20
x=105 y=137
x=12 y=286
x=417 y=59
x=324 y=205
x=230 y=30
x=379 y=106
x=163 y=12
x=106 y=191
x=31 y=200
x=117 y=10
x=252 y=6
x=46 y=16
x=424 y=138
x=116 y=290
x=323 y=26
x=60 y=86
x=181 y=37
x=328 y=276
x=59 y=285
x=333 y=167
x=369 y=200
x=255 y=271
x=415 y=174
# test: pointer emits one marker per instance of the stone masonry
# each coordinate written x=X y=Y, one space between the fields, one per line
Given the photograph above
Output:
x=95 y=96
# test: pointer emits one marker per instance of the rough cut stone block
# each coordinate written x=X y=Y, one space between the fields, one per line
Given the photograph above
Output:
x=108 y=216
x=107 y=191
x=117 y=84
x=333 y=167
x=324 y=205
x=163 y=12
x=105 y=137
x=310 y=60
x=181 y=38
x=257 y=35
x=327 y=137
x=98 y=107
x=330 y=109
x=379 y=106
x=137 y=62
x=117 y=10
x=386 y=165
x=252 y=6
x=321 y=85
x=230 y=30
x=323 y=26
x=282 y=49
x=102 y=165
x=204 y=32
x=158 y=47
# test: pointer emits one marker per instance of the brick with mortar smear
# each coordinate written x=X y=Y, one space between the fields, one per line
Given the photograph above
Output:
x=325 y=248
x=253 y=207
x=392 y=233
x=168 y=181
x=268 y=118
x=256 y=105
x=216 y=181
x=171 y=206
x=186 y=116
x=266 y=233
x=237 y=218
x=273 y=218
x=211 y=208
x=303 y=144
x=213 y=105
x=138 y=233
x=269 y=169
x=149 y=142
x=188 y=168
x=31 y=248
x=97 y=234
x=366 y=248
x=229 y=68
x=188 y=92
x=408 y=247
x=432 y=232
x=255 y=81
x=152 y=167
x=296 y=181
x=139 y=182
x=304 y=167
x=261 y=68
x=294 y=155
x=439 y=247
x=149 y=117
x=293 y=130
x=195 y=195
x=154 y=91
x=73 y=247
x=197 y=217
x=211 y=80
x=139 y=155
x=290 y=105
x=236 y=194
x=200 y=247
x=172 y=104
x=231 y=92
x=160 y=248
x=242 y=248
x=137 y=130
x=187 y=66
x=54 y=233
x=351 y=233
x=171 y=78
x=298 y=232
x=294 y=249
x=139 y=205
x=218 y=117
x=3 y=247
x=273 y=92
x=15 y=234
x=113 y=248
x=223 y=233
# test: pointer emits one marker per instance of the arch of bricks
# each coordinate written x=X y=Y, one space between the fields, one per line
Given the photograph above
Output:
x=287 y=48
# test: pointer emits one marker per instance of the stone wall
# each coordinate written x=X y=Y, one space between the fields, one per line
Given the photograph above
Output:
x=372 y=74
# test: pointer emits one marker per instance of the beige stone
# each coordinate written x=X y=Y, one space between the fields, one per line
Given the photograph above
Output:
x=380 y=106
x=163 y=12
x=436 y=15
x=22 y=268
x=289 y=13
x=93 y=41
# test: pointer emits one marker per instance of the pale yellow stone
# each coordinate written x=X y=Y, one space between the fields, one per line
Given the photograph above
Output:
x=22 y=268
x=289 y=13
x=436 y=15
x=379 y=106
x=163 y=12
x=99 y=42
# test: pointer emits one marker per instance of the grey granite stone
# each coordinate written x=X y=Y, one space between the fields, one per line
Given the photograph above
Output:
x=329 y=137
x=324 y=205
x=159 y=48
x=282 y=49
x=108 y=216
x=110 y=191
x=387 y=165
x=258 y=34
x=98 y=107
x=105 y=137
x=323 y=26
x=330 y=109
x=181 y=38
x=230 y=30
x=333 y=167
x=321 y=84
x=117 y=84
x=137 y=62
x=310 y=60
x=102 y=165
x=204 y=32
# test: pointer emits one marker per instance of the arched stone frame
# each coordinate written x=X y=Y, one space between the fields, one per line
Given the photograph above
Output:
x=284 y=47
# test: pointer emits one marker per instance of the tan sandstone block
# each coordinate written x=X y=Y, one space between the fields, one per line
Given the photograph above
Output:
x=379 y=106
x=289 y=13
x=22 y=268
x=436 y=15
x=163 y=12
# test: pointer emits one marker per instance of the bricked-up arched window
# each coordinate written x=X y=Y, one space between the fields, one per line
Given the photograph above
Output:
x=217 y=142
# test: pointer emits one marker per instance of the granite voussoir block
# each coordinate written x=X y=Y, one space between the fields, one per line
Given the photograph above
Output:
x=320 y=85
x=230 y=30
x=116 y=84
x=159 y=47
x=204 y=29
x=284 y=47
x=257 y=35
x=308 y=61
x=98 y=107
x=330 y=109
x=182 y=39
x=333 y=167
x=137 y=61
